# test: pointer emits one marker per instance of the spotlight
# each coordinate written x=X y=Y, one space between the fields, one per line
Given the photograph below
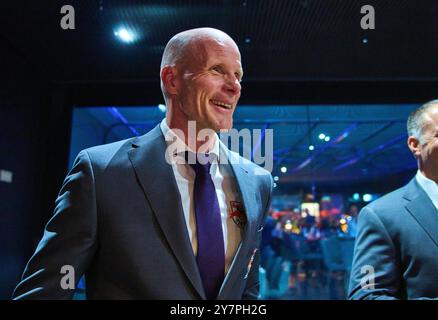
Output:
x=327 y=139
x=276 y=178
x=321 y=136
x=283 y=169
x=367 y=197
x=124 y=35
x=311 y=148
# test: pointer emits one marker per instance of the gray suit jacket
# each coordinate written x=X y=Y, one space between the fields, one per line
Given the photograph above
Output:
x=398 y=238
x=119 y=220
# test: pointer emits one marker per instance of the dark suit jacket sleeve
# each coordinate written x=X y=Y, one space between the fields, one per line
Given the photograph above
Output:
x=252 y=285
x=374 y=250
x=69 y=237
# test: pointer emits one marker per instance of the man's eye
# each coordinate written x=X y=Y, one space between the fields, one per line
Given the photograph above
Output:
x=217 y=69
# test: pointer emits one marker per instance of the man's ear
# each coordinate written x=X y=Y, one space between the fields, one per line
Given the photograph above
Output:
x=414 y=145
x=168 y=77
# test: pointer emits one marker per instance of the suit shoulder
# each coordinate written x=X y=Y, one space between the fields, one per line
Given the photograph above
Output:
x=389 y=206
x=102 y=154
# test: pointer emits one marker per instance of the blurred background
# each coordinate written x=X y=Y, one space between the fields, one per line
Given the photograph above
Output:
x=336 y=97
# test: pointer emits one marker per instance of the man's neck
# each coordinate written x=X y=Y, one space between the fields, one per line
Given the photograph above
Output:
x=203 y=143
x=431 y=175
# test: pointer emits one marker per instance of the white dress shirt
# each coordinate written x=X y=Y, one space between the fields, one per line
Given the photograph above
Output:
x=227 y=192
x=429 y=186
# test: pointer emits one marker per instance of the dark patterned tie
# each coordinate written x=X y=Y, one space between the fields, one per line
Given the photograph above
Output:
x=211 y=255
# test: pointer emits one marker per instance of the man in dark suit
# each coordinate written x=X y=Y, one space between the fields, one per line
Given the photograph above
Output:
x=142 y=220
x=396 y=250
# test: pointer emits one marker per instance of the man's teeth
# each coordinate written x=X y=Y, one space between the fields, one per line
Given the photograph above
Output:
x=222 y=104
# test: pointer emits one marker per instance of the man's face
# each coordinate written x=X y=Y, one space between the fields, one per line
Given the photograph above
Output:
x=428 y=149
x=210 y=84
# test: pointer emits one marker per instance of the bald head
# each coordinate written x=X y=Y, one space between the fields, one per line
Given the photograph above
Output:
x=188 y=46
x=184 y=43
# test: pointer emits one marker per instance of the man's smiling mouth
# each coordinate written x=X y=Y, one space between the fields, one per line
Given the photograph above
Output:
x=222 y=104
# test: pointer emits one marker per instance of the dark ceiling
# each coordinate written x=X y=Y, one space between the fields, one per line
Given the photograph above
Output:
x=280 y=40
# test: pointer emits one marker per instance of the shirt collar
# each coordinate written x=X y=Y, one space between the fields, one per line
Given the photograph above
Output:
x=179 y=147
x=429 y=186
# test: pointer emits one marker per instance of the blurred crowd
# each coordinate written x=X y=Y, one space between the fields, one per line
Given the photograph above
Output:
x=301 y=244
x=312 y=228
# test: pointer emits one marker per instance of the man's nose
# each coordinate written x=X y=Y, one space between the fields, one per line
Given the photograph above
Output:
x=233 y=86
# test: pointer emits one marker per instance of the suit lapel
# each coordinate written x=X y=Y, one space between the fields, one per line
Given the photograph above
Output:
x=244 y=181
x=159 y=185
x=422 y=209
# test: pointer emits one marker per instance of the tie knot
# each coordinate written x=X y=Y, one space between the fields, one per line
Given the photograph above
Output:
x=200 y=162
x=201 y=168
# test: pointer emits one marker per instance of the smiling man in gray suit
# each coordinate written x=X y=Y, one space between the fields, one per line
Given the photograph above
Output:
x=396 y=250
x=143 y=222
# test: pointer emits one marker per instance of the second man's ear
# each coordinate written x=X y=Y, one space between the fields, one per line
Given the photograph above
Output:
x=414 y=145
x=170 y=82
